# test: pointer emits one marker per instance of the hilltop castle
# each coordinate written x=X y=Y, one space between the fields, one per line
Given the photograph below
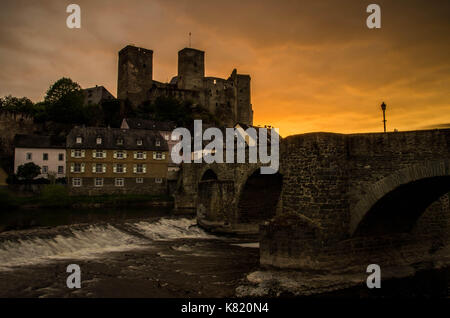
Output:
x=228 y=99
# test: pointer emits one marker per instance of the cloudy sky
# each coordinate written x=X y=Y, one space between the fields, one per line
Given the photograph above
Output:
x=315 y=66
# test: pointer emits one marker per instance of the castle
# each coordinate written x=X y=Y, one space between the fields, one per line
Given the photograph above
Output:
x=227 y=99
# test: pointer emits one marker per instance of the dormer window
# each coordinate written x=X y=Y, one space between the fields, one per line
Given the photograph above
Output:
x=139 y=142
x=79 y=140
x=120 y=141
x=158 y=143
x=99 y=140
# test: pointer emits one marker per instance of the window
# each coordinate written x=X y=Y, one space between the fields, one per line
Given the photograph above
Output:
x=158 y=180
x=119 y=168
x=79 y=140
x=44 y=169
x=98 y=182
x=139 y=155
x=120 y=154
x=158 y=143
x=77 y=153
x=61 y=157
x=119 y=182
x=60 y=169
x=139 y=168
x=98 y=168
x=99 y=140
x=77 y=182
x=139 y=142
x=29 y=156
x=99 y=154
x=45 y=156
x=77 y=167
x=139 y=180
x=120 y=141
x=158 y=155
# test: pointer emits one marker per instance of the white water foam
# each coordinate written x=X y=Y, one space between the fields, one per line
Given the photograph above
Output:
x=82 y=244
x=94 y=241
x=170 y=229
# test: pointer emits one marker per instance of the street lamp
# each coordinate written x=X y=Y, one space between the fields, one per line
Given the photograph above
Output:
x=383 y=108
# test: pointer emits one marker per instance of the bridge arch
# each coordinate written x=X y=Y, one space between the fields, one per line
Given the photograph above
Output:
x=258 y=196
x=397 y=201
x=209 y=174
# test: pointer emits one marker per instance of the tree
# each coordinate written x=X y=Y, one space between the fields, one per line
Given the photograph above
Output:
x=64 y=102
x=61 y=88
x=28 y=171
x=16 y=104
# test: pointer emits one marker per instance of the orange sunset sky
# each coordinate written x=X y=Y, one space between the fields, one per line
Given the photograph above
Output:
x=315 y=66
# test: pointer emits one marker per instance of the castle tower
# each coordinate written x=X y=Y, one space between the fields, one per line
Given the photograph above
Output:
x=191 y=69
x=135 y=74
x=244 y=111
x=244 y=106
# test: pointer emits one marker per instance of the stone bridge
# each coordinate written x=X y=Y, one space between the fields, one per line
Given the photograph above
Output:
x=335 y=198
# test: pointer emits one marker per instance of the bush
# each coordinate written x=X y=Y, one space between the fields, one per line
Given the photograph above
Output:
x=54 y=195
x=6 y=199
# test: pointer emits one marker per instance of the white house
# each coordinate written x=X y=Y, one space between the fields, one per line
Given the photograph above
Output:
x=45 y=151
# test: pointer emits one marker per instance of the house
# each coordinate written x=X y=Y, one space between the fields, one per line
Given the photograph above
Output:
x=114 y=160
x=96 y=95
x=164 y=128
x=48 y=152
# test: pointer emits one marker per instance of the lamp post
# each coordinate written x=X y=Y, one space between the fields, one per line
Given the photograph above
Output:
x=383 y=108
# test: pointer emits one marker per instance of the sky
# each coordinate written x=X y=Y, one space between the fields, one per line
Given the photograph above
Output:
x=314 y=65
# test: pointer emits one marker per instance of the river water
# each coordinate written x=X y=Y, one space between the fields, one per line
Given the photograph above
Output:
x=141 y=253
x=121 y=254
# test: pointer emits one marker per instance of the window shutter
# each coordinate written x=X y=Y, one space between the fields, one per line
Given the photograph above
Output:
x=134 y=168
x=115 y=154
x=72 y=153
x=124 y=155
x=144 y=168
x=104 y=168
x=104 y=153
x=83 y=153
x=93 y=168
x=124 y=168
x=145 y=154
x=163 y=155
x=135 y=155
x=82 y=167
x=114 y=168
x=93 y=153
x=154 y=155
x=72 y=167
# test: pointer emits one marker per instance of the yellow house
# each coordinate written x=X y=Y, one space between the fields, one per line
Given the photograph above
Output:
x=112 y=160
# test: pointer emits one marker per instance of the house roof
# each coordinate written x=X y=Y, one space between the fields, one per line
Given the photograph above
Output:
x=37 y=141
x=110 y=137
x=137 y=123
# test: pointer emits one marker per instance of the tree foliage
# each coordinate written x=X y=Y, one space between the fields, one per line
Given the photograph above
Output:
x=28 y=171
x=16 y=104
x=61 y=88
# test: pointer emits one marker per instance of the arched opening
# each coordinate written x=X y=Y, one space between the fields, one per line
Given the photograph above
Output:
x=259 y=197
x=209 y=175
x=399 y=209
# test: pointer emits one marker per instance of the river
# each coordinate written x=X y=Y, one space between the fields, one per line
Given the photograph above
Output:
x=145 y=253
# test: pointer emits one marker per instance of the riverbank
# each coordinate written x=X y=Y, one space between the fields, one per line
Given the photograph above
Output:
x=56 y=196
